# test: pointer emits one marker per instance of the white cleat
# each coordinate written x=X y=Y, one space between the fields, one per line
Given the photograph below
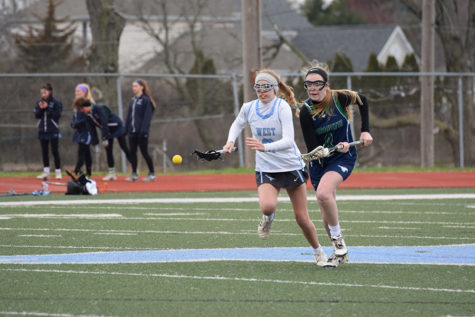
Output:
x=132 y=178
x=339 y=245
x=321 y=258
x=335 y=260
x=43 y=175
x=264 y=226
x=110 y=177
x=149 y=178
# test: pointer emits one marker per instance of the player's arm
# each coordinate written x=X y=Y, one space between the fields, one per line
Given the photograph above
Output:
x=306 y=123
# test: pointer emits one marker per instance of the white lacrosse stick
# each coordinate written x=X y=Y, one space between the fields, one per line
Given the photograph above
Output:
x=321 y=152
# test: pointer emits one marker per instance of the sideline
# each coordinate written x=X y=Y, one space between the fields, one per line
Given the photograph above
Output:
x=230 y=199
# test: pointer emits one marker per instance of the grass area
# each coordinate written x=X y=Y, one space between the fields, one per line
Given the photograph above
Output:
x=231 y=288
x=387 y=169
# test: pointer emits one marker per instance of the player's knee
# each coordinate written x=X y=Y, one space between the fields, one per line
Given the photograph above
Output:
x=324 y=195
x=268 y=207
x=302 y=221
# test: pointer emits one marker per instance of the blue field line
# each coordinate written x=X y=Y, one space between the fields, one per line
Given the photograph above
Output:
x=441 y=255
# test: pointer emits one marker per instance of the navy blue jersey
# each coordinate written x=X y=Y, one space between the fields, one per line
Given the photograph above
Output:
x=109 y=123
x=48 y=118
x=84 y=130
x=329 y=127
x=139 y=116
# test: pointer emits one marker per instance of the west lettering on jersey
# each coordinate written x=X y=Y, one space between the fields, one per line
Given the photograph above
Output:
x=265 y=131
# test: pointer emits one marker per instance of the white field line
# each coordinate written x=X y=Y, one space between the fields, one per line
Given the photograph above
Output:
x=41 y=235
x=232 y=199
x=35 y=313
x=253 y=208
x=243 y=232
x=63 y=216
x=162 y=218
x=398 y=228
x=251 y=280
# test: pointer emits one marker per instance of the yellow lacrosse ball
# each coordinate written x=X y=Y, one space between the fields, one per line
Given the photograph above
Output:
x=177 y=159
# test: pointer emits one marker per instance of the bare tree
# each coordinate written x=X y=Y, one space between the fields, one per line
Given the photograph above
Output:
x=183 y=21
x=106 y=28
x=455 y=26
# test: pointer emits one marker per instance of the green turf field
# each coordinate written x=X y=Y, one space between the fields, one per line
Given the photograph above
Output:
x=227 y=222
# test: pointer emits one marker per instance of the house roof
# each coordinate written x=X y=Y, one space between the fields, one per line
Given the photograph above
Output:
x=356 y=41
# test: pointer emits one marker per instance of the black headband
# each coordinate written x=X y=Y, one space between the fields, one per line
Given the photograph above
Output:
x=319 y=71
x=138 y=81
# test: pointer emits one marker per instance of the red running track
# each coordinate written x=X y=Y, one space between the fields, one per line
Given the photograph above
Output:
x=226 y=182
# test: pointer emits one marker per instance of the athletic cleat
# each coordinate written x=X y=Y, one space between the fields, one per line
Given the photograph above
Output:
x=334 y=260
x=132 y=178
x=339 y=245
x=58 y=174
x=321 y=258
x=43 y=175
x=150 y=178
x=110 y=176
x=264 y=226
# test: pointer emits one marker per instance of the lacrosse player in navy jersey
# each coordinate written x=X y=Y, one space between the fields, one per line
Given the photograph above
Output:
x=325 y=120
x=278 y=163
x=138 y=122
x=48 y=111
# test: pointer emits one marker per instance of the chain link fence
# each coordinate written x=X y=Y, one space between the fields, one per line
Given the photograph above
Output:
x=196 y=111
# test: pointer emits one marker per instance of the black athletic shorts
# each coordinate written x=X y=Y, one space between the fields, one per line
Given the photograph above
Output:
x=287 y=180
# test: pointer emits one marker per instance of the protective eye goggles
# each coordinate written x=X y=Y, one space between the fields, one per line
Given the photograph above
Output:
x=319 y=84
x=263 y=87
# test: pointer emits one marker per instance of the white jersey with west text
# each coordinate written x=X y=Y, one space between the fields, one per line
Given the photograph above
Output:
x=272 y=125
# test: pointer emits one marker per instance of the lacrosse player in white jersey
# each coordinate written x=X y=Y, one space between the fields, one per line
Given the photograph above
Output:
x=278 y=163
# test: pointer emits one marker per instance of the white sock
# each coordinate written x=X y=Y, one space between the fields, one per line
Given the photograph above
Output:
x=317 y=250
x=335 y=231
x=58 y=170
x=46 y=169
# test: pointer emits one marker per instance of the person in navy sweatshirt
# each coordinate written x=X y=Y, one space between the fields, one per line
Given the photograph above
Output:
x=138 y=121
x=48 y=111
x=85 y=133
x=111 y=127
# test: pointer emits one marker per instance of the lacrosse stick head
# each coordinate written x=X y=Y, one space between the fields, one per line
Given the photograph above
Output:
x=207 y=156
x=318 y=153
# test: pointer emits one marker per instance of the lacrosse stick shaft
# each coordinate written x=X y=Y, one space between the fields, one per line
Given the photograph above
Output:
x=339 y=147
x=226 y=151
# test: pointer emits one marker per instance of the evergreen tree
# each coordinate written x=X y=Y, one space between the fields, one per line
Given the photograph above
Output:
x=373 y=64
x=337 y=13
x=391 y=65
x=340 y=63
x=410 y=64
x=48 y=47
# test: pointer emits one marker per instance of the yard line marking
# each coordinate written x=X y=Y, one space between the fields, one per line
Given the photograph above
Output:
x=114 y=234
x=41 y=235
x=176 y=214
x=69 y=247
x=32 y=313
x=224 y=233
x=232 y=199
x=252 y=280
x=398 y=228
x=66 y=216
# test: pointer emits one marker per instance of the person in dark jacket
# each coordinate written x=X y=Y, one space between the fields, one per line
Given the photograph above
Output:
x=111 y=127
x=139 y=116
x=48 y=111
x=85 y=133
